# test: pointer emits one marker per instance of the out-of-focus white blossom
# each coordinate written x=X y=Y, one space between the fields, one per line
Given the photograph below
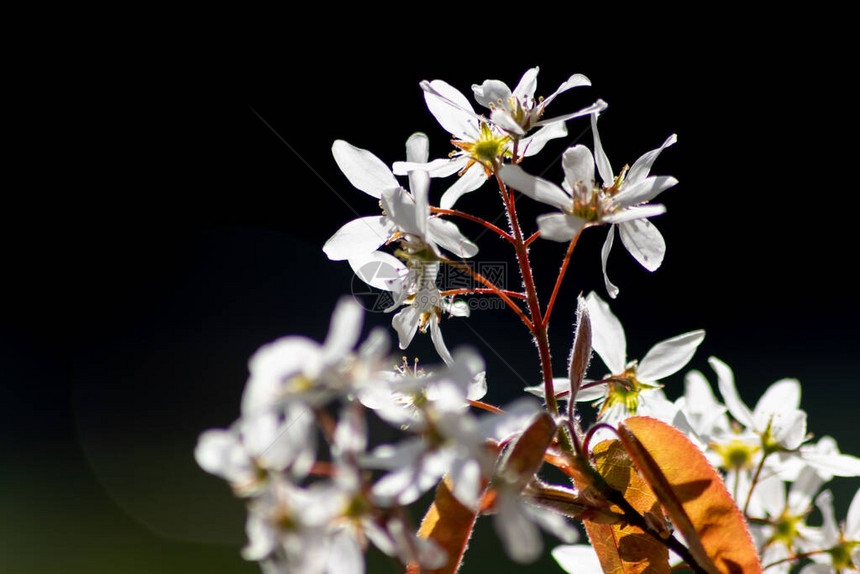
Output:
x=840 y=542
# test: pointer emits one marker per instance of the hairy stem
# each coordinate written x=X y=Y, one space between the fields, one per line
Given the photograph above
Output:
x=467 y=291
x=558 y=280
x=539 y=328
x=492 y=287
x=502 y=233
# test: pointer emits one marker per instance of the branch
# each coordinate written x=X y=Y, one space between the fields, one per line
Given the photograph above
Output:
x=502 y=233
x=561 y=273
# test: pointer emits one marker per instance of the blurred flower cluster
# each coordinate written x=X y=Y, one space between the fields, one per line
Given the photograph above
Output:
x=321 y=489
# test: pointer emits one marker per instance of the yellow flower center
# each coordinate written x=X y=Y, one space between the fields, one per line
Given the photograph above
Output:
x=736 y=454
x=785 y=529
x=624 y=389
x=841 y=555
x=487 y=150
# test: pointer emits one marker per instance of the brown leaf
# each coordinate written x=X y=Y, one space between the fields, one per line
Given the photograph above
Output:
x=525 y=456
x=448 y=523
x=626 y=549
x=693 y=495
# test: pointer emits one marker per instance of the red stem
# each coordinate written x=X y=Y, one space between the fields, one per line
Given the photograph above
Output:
x=466 y=291
x=486 y=407
x=493 y=288
x=560 y=277
x=538 y=326
x=474 y=218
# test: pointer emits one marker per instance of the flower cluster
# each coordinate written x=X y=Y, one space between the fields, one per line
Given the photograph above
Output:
x=320 y=488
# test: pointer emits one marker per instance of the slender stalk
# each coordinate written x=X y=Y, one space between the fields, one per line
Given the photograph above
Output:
x=754 y=482
x=502 y=233
x=492 y=287
x=798 y=556
x=561 y=274
x=538 y=330
x=467 y=291
x=487 y=407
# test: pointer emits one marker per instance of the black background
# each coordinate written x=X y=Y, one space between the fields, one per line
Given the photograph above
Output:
x=171 y=203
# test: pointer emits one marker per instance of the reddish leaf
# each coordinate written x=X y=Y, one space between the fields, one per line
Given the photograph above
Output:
x=525 y=456
x=693 y=495
x=626 y=549
x=448 y=523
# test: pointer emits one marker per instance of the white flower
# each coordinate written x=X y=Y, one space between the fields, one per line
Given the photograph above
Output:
x=577 y=558
x=297 y=368
x=777 y=416
x=634 y=387
x=400 y=397
x=414 y=292
x=516 y=507
x=326 y=526
x=700 y=414
x=286 y=528
x=517 y=111
x=777 y=426
x=404 y=211
x=248 y=452
x=781 y=529
x=824 y=456
x=620 y=201
x=449 y=441
x=483 y=143
x=841 y=543
x=517 y=520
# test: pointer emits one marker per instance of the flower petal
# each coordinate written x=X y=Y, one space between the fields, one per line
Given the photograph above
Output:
x=521 y=537
x=635 y=212
x=357 y=237
x=604 y=168
x=472 y=179
x=448 y=236
x=344 y=555
x=451 y=109
x=439 y=342
x=645 y=190
x=406 y=324
x=380 y=270
x=852 y=520
x=781 y=396
x=604 y=261
x=528 y=84
x=669 y=356
x=594 y=108
x=574 y=81
x=560 y=226
x=535 y=142
x=364 y=170
x=220 y=452
x=642 y=166
x=442 y=167
x=728 y=390
x=607 y=334
x=644 y=242
x=578 y=165
x=577 y=559
x=536 y=188
x=490 y=92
